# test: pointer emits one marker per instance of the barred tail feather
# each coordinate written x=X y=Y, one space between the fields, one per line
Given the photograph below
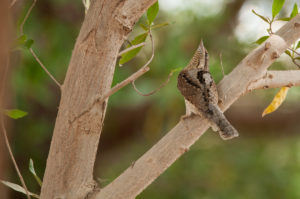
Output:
x=221 y=124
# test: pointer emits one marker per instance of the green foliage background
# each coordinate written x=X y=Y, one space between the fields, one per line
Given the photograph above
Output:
x=264 y=162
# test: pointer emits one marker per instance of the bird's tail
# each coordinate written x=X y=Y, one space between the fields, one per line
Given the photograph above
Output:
x=221 y=124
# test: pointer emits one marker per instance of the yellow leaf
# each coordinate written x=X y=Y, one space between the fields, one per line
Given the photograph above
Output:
x=277 y=101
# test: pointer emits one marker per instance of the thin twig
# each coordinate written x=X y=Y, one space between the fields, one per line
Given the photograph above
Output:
x=294 y=51
x=294 y=61
x=131 y=48
x=117 y=87
x=26 y=17
x=31 y=50
x=222 y=65
x=129 y=42
x=154 y=91
x=134 y=76
x=120 y=85
x=44 y=68
x=12 y=3
x=6 y=138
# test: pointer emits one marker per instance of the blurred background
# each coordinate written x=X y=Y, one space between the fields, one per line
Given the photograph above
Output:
x=264 y=162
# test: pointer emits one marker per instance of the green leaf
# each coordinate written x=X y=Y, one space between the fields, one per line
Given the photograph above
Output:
x=295 y=11
x=18 y=188
x=298 y=45
x=146 y=28
x=28 y=43
x=21 y=40
x=288 y=53
x=152 y=12
x=131 y=54
x=276 y=7
x=284 y=19
x=32 y=170
x=260 y=16
x=159 y=25
x=261 y=40
x=15 y=113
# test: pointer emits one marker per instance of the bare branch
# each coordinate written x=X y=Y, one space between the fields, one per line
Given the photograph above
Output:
x=26 y=17
x=6 y=138
x=294 y=61
x=277 y=79
x=294 y=51
x=117 y=87
x=131 y=48
x=155 y=90
x=31 y=50
x=43 y=67
x=176 y=142
x=122 y=84
x=13 y=159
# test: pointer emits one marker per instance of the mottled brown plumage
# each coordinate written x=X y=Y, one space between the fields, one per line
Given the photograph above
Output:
x=200 y=92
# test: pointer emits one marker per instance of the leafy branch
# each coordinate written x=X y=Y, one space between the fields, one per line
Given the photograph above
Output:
x=24 y=43
x=291 y=51
x=135 y=46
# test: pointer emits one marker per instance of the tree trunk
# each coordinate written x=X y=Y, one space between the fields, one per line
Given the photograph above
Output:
x=5 y=35
x=69 y=170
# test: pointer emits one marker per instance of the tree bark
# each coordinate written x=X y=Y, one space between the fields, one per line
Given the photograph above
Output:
x=5 y=38
x=276 y=79
x=69 y=170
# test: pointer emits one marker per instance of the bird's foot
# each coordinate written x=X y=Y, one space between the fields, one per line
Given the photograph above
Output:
x=185 y=117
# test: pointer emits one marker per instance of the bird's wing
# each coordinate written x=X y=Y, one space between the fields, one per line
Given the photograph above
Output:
x=198 y=87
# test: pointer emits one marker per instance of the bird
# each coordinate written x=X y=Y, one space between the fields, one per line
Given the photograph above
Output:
x=199 y=90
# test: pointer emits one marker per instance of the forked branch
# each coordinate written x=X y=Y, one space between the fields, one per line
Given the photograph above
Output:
x=277 y=79
x=99 y=99
x=176 y=142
